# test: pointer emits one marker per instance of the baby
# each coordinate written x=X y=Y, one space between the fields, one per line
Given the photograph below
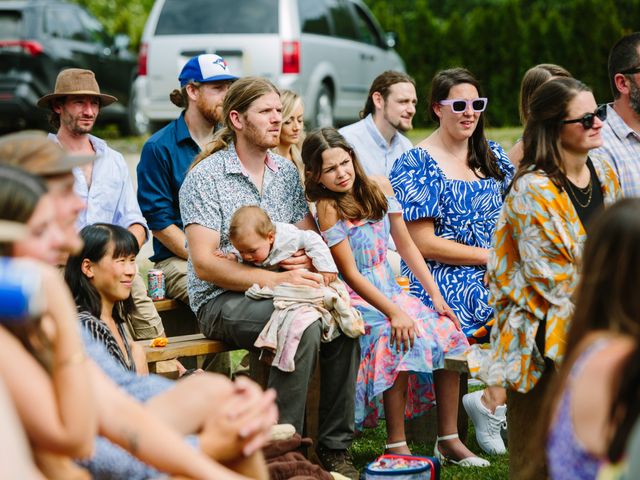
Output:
x=263 y=243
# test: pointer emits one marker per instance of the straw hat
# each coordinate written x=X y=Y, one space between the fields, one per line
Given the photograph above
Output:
x=34 y=152
x=12 y=231
x=76 y=81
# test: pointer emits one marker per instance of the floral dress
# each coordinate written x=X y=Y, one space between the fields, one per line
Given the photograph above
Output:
x=463 y=211
x=379 y=362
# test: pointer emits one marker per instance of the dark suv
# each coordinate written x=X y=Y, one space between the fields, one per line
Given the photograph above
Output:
x=38 y=38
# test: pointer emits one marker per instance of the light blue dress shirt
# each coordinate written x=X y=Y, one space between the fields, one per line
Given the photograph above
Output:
x=111 y=198
x=374 y=153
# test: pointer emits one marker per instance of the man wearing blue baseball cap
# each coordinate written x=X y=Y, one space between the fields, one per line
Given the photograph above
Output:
x=166 y=157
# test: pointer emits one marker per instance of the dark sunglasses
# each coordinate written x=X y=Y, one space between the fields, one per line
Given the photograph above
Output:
x=459 y=105
x=630 y=71
x=588 y=119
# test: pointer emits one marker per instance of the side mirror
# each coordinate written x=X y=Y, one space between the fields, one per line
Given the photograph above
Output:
x=121 y=42
x=391 y=39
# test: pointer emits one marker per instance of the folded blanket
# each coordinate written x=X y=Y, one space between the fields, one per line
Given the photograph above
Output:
x=286 y=463
x=295 y=308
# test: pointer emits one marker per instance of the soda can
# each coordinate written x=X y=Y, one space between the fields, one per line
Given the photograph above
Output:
x=403 y=282
x=155 y=284
x=21 y=297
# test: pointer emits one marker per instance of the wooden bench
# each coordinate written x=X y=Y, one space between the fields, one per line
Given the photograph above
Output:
x=194 y=345
x=422 y=429
x=167 y=305
x=185 y=341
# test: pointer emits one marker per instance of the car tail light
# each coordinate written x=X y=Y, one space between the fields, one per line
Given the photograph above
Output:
x=290 y=57
x=142 y=59
x=31 y=47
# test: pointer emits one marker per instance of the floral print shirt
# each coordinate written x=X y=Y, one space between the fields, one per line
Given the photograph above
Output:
x=218 y=185
x=533 y=272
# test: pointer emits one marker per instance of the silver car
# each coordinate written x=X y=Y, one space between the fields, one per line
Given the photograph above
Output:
x=329 y=51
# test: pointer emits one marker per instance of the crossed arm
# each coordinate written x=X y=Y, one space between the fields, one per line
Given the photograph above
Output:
x=441 y=249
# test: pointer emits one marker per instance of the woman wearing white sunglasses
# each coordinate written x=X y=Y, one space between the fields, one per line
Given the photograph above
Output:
x=451 y=187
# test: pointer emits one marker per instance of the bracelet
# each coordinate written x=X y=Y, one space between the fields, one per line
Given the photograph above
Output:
x=75 y=359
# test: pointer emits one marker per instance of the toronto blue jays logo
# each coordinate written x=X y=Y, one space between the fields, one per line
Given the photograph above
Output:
x=220 y=61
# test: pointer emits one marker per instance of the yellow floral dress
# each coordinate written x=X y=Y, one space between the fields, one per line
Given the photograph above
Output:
x=533 y=272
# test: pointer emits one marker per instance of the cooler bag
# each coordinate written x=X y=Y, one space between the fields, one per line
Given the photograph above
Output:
x=402 y=467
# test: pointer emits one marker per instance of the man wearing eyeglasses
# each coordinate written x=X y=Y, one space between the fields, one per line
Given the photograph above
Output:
x=621 y=132
x=388 y=112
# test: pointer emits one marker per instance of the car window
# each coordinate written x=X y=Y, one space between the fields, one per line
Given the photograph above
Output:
x=313 y=17
x=342 y=19
x=367 y=31
x=179 y=17
x=10 y=24
x=64 y=23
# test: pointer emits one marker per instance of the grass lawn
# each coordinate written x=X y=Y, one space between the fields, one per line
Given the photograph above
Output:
x=505 y=136
x=370 y=445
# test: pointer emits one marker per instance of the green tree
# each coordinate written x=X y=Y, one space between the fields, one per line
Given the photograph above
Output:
x=120 y=16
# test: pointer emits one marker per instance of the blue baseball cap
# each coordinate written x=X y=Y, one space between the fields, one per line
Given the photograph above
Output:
x=207 y=67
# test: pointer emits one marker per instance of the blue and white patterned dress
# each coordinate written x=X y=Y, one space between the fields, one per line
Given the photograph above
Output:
x=463 y=211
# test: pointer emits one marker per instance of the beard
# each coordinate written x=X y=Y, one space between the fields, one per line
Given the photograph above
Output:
x=211 y=113
x=634 y=97
x=74 y=126
x=400 y=124
x=259 y=139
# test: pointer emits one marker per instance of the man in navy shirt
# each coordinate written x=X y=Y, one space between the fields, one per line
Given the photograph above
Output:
x=166 y=158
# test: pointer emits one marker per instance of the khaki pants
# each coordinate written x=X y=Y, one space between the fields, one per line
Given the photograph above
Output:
x=175 y=278
x=144 y=322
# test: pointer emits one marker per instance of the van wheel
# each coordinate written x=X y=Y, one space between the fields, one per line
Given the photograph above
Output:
x=324 y=108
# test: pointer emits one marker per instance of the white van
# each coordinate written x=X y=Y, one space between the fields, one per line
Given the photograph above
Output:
x=329 y=51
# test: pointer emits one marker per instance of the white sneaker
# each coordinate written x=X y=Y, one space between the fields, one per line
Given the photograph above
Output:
x=488 y=425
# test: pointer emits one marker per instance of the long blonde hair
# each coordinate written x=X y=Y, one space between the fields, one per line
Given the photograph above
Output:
x=290 y=100
x=240 y=96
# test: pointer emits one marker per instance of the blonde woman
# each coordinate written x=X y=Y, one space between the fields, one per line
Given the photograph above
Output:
x=292 y=130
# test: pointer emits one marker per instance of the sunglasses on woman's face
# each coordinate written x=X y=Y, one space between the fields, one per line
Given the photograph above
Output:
x=460 y=105
x=588 y=119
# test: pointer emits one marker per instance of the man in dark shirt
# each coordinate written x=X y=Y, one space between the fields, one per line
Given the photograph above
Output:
x=166 y=157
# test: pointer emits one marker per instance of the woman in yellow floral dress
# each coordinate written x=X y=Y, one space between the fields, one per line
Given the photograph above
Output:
x=534 y=268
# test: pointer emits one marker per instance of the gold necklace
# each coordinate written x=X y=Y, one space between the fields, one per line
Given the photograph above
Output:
x=588 y=190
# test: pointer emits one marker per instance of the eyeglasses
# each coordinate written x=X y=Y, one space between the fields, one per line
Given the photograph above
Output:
x=631 y=71
x=588 y=119
x=460 y=105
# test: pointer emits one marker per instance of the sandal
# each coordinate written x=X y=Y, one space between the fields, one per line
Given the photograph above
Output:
x=403 y=443
x=472 y=461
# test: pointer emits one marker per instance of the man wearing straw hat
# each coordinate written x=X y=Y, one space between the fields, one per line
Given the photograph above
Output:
x=104 y=183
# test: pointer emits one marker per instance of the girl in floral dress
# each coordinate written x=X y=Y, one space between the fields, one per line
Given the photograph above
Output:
x=403 y=349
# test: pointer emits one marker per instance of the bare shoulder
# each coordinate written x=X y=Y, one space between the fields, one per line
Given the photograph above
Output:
x=383 y=183
x=611 y=357
x=327 y=214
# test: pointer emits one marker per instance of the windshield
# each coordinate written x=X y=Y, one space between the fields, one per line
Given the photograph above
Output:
x=179 y=17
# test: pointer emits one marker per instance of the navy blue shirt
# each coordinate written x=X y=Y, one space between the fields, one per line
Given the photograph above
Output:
x=164 y=162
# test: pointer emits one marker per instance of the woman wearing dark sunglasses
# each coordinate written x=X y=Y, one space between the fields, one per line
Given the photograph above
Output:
x=451 y=187
x=534 y=267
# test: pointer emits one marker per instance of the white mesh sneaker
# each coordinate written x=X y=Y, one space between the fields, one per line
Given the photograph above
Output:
x=488 y=425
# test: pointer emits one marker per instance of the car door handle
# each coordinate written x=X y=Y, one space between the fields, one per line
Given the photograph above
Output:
x=366 y=56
